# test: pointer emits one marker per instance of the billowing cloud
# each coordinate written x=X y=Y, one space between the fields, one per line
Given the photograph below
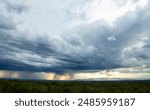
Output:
x=73 y=35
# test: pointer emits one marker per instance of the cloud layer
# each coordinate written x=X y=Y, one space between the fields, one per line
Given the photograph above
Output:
x=136 y=73
x=74 y=35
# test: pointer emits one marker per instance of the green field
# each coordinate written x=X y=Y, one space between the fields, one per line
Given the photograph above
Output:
x=24 y=86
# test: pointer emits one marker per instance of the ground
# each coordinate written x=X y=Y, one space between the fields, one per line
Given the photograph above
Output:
x=26 y=86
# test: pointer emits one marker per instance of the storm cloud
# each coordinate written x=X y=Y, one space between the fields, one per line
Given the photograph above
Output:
x=45 y=36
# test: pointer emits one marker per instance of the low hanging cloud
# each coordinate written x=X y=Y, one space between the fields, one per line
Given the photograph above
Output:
x=136 y=73
x=74 y=40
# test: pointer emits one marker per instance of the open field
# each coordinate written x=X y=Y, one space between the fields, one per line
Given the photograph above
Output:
x=24 y=86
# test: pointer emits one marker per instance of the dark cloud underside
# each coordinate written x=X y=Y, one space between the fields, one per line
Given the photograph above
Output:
x=95 y=45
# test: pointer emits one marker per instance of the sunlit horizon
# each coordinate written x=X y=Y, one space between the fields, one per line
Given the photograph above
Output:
x=134 y=73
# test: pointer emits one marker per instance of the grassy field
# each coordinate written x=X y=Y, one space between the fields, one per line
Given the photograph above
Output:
x=24 y=86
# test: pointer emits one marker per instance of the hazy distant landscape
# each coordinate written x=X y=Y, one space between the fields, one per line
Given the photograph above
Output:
x=34 y=86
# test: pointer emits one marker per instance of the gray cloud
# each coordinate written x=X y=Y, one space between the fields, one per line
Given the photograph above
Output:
x=95 y=45
x=136 y=73
x=16 y=8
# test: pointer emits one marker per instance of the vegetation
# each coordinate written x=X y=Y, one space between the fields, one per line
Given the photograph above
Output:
x=24 y=86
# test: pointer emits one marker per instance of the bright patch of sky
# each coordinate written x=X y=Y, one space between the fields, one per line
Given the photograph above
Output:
x=56 y=16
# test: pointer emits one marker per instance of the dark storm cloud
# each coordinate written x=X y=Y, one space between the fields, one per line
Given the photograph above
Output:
x=137 y=37
x=16 y=8
x=91 y=46
x=130 y=34
x=13 y=6
x=5 y=23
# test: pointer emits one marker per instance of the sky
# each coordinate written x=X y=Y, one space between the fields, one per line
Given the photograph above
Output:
x=75 y=39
